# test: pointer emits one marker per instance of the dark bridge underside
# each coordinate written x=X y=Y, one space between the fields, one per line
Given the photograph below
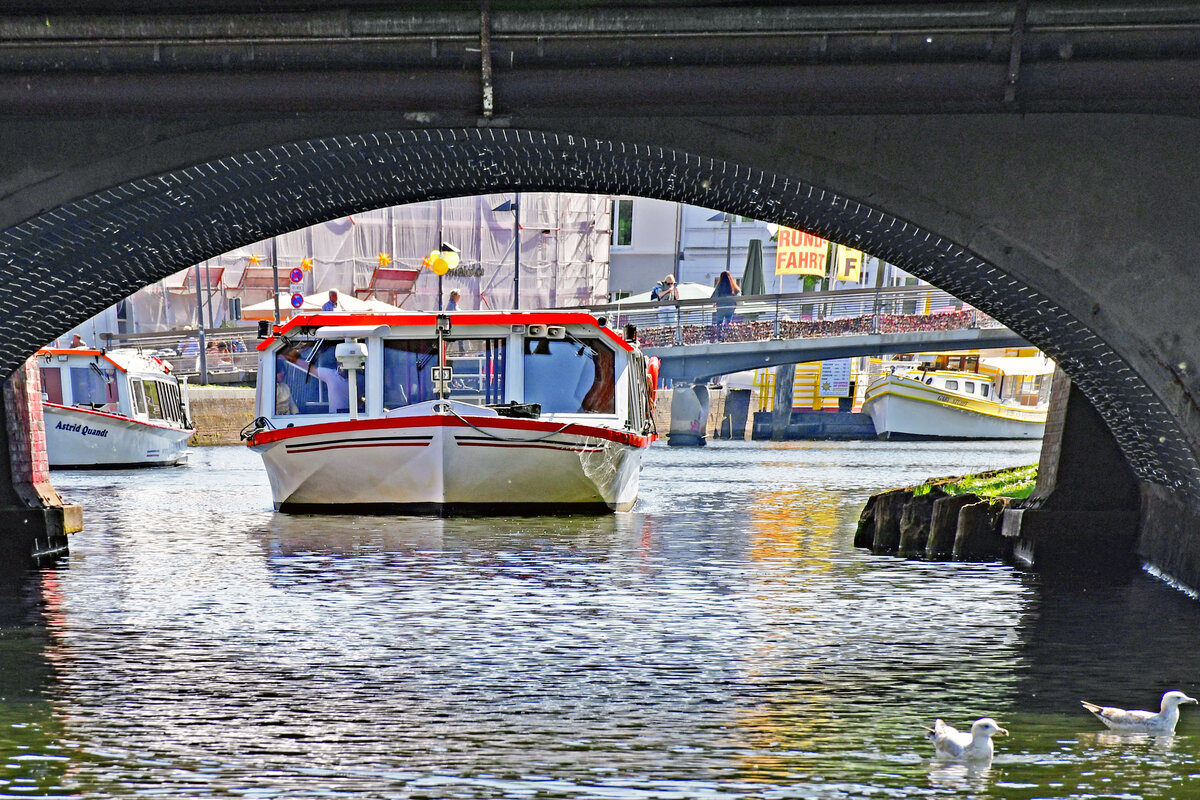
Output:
x=63 y=266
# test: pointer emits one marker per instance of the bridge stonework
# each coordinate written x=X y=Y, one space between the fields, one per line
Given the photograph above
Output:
x=97 y=245
x=33 y=517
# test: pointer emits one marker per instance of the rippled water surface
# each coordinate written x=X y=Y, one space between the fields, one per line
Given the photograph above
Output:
x=723 y=640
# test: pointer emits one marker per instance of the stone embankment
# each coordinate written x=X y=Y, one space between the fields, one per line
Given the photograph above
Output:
x=219 y=413
x=930 y=522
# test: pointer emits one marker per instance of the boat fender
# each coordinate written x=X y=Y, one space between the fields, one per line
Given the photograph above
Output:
x=651 y=382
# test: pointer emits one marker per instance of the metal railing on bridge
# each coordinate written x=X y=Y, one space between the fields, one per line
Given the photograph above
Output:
x=229 y=354
x=795 y=316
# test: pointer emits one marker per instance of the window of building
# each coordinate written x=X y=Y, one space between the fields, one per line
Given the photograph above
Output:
x=622 y=223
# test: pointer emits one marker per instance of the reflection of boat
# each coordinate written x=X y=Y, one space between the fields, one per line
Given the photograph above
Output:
x=472 y=412
x=961 y=396
x=113 y=408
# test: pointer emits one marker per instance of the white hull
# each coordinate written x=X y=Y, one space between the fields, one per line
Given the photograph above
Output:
x=451 y=463
x=905 y=408
x=81 y=438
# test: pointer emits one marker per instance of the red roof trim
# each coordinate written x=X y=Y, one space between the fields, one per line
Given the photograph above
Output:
x=428 y=319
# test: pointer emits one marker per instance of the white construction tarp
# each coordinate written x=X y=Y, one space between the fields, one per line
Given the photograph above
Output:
x=564 y=240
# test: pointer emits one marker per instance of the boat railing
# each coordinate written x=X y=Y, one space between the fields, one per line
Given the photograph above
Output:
x=795 y=316
x=229 y=353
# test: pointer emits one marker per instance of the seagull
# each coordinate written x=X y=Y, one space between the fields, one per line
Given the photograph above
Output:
x=950 y=743
x=1162 y=722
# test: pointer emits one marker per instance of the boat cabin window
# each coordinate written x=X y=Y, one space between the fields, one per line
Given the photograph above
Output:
x=570 y=375
x=983 y=389
x=952 y=385
x=963 y=363
x=315 y=383
x=94 y=387
x=52 y=385
x=406 y=365
x=158 y=400
x=477 y=370
x=969 y=387
x=139 y=398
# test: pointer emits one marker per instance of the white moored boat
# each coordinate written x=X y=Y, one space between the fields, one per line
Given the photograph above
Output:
x=961 y=396
x=460 y=412
x=115 y=408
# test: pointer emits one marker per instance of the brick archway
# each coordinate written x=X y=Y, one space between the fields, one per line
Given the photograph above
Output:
x=69 y=263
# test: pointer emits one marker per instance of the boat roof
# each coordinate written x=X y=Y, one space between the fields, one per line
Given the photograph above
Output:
x=1019 y=365
x=124 y=359
x=428 y=319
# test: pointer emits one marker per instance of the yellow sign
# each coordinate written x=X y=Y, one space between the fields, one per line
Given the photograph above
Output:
x=800 y=253
x=847 y=263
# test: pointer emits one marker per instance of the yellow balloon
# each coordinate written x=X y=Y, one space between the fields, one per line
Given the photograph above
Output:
x=439 y=265
x=451 y=258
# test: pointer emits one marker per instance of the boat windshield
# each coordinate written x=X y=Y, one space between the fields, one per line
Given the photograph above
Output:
x=308 y=380
x=570 y=375
x=94 y=387
x=478 y=370
x=406 y=375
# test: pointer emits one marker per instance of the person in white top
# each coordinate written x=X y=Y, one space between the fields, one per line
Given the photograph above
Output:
x=337 y=384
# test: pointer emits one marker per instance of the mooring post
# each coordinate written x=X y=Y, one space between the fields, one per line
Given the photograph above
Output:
x=34 y=521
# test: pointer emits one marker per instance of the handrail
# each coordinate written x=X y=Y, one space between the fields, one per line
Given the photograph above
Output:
x=795 y=315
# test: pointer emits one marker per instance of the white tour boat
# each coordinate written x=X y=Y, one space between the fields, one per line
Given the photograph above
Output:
x=114 y=408
x=459 y=412
x=961 y=396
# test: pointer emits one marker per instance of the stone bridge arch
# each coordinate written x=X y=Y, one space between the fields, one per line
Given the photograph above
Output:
x=63 y=265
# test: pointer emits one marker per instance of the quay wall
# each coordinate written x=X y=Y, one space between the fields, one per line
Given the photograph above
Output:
x=219 y=413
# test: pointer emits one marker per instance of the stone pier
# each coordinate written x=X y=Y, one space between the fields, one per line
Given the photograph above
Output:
x=1084 y=513
x=34 y=521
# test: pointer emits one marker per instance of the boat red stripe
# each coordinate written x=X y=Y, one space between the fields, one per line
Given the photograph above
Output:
x=530 y=426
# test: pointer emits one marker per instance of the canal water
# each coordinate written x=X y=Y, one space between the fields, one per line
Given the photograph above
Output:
x=724 y=640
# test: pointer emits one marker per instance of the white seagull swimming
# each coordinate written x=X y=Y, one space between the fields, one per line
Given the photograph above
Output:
x=1160 y=722
x=951 y=743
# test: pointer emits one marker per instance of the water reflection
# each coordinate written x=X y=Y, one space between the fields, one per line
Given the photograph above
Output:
x=725 y=640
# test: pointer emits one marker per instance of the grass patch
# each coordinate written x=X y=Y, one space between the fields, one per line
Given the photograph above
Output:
x=1015 y=482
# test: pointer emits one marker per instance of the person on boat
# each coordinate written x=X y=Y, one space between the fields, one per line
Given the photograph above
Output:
x=284 y=404
x=337 y=384
x=77 y=341
x=452 y=303
x=332 y=303
x=725 y=293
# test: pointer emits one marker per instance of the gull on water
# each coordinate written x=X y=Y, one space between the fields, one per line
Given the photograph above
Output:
x=951 y=743
x=1160 y=722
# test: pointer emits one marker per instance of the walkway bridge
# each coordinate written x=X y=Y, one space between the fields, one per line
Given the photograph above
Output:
x=1032 y=159
x=773 y=330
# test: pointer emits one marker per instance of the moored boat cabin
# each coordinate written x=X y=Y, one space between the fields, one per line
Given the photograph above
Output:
x=1014 y=380
x=120 y=382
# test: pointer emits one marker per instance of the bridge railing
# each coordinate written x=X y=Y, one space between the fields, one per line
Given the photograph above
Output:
x=795 y=316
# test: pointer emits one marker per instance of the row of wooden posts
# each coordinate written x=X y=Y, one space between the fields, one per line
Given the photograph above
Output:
x=934 y=525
